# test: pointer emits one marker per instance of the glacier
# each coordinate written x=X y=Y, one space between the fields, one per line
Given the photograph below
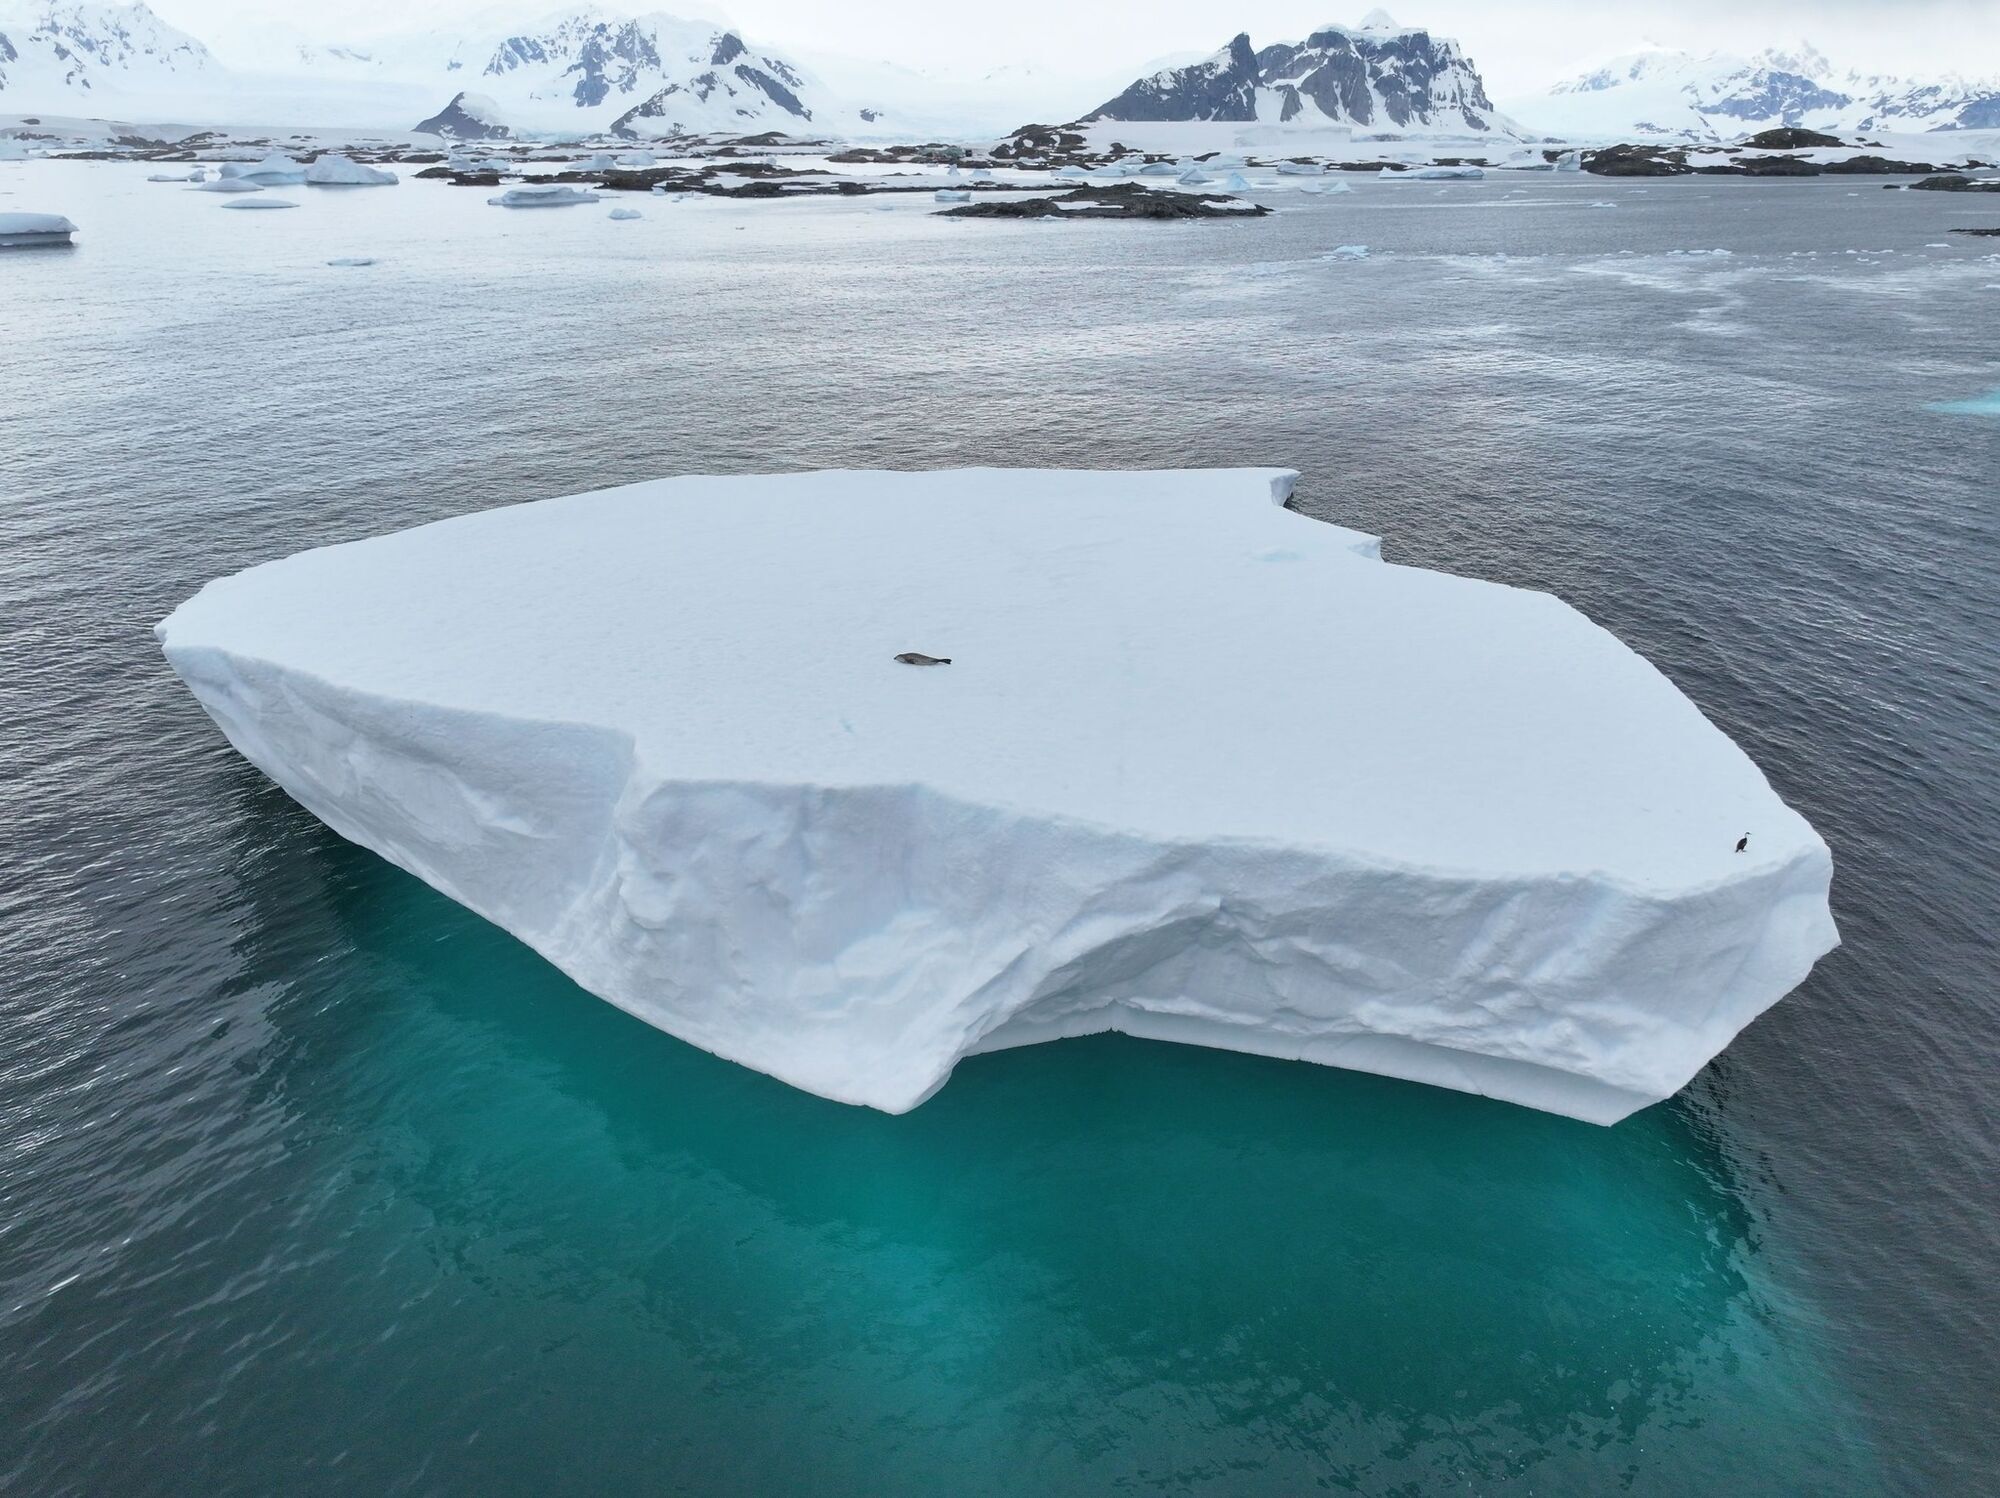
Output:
x=1200 y=769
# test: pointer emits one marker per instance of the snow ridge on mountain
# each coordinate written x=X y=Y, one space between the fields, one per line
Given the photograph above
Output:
x=71 y=52
x=1377 y=77
x=579 y=71
x=1681 y=96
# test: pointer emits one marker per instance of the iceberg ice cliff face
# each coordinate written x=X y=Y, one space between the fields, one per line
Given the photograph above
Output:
x=1200 y=769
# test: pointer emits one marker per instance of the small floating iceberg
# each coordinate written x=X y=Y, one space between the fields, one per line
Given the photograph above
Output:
x=1436 y=174
x=951 y=195
x=345 y=261
x=1319 y=807
x=275 y=170
x=1347 y=252
x=30 y=231
x=1236 y=182
x=335 y=170
x=226 y=184
x=197 y=175
x=260 y=203
x=543 y=195
x=623 y=215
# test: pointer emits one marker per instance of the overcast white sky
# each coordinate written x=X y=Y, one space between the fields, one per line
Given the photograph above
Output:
x=1519 y=45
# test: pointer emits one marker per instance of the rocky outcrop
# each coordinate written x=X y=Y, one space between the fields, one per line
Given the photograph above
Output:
x=1790 y=138
x=466 y=117
x=1636 y=161
x=1124 y=200
x=1953 y=182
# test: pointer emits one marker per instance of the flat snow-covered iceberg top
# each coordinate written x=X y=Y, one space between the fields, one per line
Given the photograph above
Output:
x=1199 y=768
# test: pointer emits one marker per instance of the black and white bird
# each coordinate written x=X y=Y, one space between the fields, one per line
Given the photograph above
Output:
x=1743 y=842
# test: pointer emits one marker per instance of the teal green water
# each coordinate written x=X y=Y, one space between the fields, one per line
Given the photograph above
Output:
x=530 y=1232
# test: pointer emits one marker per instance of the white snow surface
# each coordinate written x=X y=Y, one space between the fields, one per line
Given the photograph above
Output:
x=1201 y=769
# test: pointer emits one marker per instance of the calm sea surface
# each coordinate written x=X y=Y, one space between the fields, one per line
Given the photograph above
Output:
x=312 y=1182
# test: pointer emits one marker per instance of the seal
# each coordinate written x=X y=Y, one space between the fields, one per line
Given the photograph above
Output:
x=918 y=658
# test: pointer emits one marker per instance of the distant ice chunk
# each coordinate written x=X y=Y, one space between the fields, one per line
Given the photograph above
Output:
x=1436 y=174
x=1194 y=176
x=1347 y=252
x=335 y=170
x=183 y=177
x=952 y=195
x=28 y=231
x=275 y=170
x=638 y=159
x=1236 y=182
x=226 y=184
x=543 y=195
x=14 y=150
x=260 y=203
x=623 y=214
x=1317 y=807
x=1301 y=169
x=353 y=260
x=1570 y=161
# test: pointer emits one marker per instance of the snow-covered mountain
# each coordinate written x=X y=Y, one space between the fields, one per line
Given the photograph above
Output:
x=1376 y=78
x=646 y=75
x=581 y=71
x=67 y=54
x=1679 y=96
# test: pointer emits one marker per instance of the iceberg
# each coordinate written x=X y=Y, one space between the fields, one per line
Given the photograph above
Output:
x=226 y=184
x=1236 y=182
x=275 y=170
x=28 y=231
x=1435 y=174
x=623 y=215
x=1166 y=758
x=335 y=170
x=543 y=195
x=951 y=195
x=260 y=203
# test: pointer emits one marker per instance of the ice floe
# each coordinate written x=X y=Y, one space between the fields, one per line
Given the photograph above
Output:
x=624 y=215
x=1200 y=769
x=28 y=231
x=543 y=195
x=275 y=170
x=260 y=203
x=335 y=170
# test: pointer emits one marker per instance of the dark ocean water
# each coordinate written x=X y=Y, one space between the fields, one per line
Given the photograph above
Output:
x=312 y=1182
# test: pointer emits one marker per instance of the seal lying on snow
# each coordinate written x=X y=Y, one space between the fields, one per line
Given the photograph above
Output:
x=918 y=658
